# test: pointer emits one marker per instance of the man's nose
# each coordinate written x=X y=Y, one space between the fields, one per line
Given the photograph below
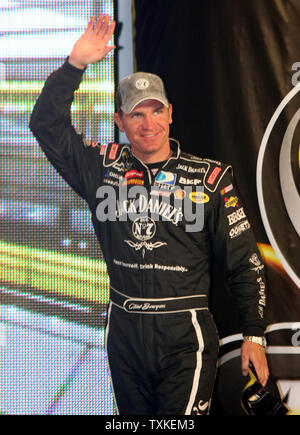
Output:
x=148 y=122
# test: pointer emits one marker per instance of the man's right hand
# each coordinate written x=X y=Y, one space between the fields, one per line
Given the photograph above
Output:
x=92 y=46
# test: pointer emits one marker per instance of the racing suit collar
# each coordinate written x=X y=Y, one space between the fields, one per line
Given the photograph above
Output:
x=175 y=147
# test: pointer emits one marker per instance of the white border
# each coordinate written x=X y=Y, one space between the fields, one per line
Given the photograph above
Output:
x=293 y=326
x=261 y=204
x=198 y=368
x=288 y=187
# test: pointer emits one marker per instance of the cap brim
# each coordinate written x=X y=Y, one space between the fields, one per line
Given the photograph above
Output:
x=129 y=107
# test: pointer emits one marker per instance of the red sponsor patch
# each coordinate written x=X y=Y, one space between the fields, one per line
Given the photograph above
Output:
x=113 y=151
x=226 y=189
x=134 y=173
x=211 y=179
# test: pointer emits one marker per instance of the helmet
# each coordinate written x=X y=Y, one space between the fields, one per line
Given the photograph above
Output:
x=257 y=400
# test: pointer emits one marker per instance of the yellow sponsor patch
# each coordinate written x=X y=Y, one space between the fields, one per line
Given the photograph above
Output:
x=199 y=197
x=231 y=202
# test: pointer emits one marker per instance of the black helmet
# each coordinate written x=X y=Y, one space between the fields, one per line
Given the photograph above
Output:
x=257 y=400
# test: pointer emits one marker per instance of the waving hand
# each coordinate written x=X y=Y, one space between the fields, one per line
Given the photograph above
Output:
x=93 y=46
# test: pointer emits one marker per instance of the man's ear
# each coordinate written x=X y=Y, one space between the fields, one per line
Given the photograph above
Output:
x=118 y=121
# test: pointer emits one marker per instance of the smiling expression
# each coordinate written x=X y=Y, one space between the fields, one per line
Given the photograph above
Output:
x=147 y=128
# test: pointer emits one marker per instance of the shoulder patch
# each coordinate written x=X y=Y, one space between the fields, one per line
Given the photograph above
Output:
x=113 y=153
x=102 y=150
x=214 y=175
x=213 y=170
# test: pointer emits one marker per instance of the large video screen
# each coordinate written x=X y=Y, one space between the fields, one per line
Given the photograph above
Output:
x=53 y=281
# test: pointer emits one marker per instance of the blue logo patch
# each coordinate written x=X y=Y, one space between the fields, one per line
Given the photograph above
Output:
x=164 y=177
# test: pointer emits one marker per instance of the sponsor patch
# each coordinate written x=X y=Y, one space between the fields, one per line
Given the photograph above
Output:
x=239 y=229
x=137 y=181
x=212 y=178
x=179 y=194
x=226 y=189
x=236 y=216
x=231 y=202
x=199 y=197
x=190 y=181
x=134 y=174
x=191 y=169
x=159 y=192
x=113 y=151
x=117 y=156
x=112 y=178
x=111 y=174
x=164 y=178
x=111 y=182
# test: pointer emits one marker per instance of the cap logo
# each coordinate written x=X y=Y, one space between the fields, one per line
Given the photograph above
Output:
x=142 y=84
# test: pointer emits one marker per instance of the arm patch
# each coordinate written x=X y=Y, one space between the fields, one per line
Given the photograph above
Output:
x=214 y=175
x=115 y=154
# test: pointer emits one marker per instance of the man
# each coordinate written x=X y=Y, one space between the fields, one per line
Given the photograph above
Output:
x=161 y=339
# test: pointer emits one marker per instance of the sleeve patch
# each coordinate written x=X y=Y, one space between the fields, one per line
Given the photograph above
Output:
x=214 y=175
x=113 y=151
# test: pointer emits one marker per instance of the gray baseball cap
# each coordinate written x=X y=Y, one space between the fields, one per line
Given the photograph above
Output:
x=139 y=87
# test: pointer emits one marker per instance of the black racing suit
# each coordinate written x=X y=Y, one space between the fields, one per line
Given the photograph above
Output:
x=161 y=339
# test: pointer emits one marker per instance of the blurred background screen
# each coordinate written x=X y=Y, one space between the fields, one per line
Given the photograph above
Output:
x=53 y=281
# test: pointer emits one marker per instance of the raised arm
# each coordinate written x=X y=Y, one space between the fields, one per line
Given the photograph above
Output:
x=51 y=121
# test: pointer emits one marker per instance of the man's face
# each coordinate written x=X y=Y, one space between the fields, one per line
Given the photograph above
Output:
x=147 y=128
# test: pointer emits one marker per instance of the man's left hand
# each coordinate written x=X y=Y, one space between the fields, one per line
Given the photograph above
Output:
x=256 y=354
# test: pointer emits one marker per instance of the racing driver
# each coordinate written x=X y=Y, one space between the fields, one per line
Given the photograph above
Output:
x=161 y=216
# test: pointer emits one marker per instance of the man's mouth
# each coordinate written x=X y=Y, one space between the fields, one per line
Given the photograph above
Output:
x=149 y=135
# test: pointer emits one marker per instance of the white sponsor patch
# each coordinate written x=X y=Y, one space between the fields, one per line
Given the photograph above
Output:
x=239 y=229
x=236 y=216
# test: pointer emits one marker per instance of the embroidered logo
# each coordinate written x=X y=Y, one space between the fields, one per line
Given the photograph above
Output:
x=201 y=408
x=142 y=84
